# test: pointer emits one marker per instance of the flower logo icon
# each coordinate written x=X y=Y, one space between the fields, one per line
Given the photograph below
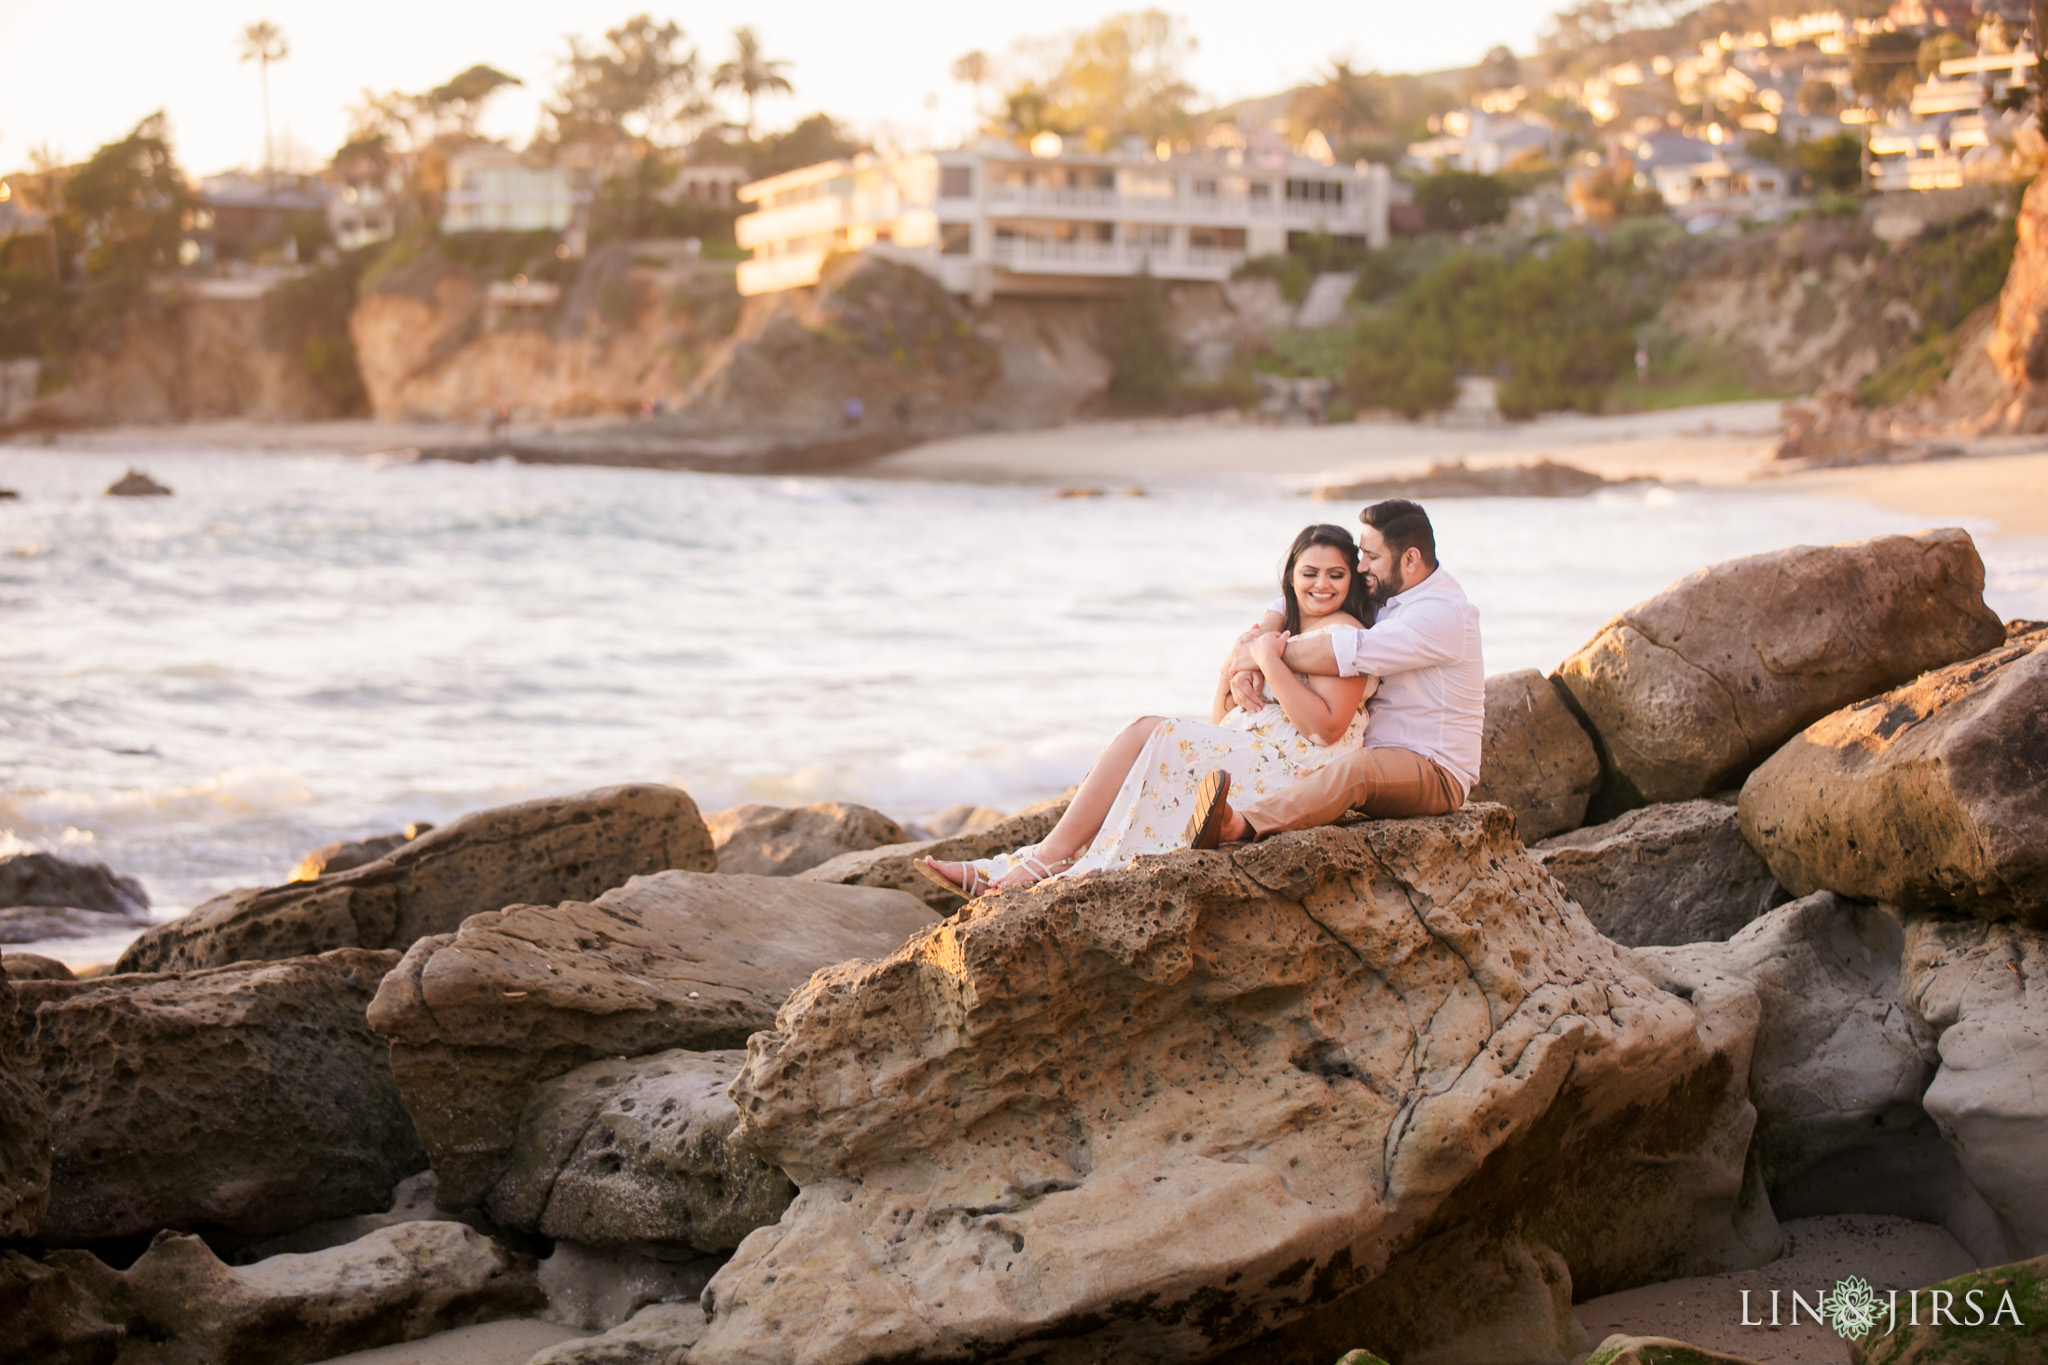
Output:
x=1852 y=1307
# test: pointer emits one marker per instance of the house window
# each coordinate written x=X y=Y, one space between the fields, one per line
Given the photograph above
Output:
x=1262 y=190
x=1206 y=188
x=956 y=239
x=956 y=182
x=1315 y=192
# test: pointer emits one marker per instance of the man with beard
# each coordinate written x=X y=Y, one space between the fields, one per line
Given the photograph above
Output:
x=1420 y=755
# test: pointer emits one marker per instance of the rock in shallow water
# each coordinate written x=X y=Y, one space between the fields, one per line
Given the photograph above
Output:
x=353 y=853
x=633 y=1151
x=45 y=896
x=252 y=1098
x=478 y=1018
x=1673 y=873
x=777 y=841
x=1688 y=691
x=1210 y=1101
x=1933 y=794
x=562 y=848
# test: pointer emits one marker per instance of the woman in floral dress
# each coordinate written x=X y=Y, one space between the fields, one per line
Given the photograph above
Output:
x=1138 y=797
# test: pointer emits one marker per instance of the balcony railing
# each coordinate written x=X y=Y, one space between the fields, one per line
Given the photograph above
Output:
x=1219 y=207
x=1055 y=256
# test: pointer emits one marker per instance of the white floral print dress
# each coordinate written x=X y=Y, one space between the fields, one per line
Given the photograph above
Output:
x=1261 y=750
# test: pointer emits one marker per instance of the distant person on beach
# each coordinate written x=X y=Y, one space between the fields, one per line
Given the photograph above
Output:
x=1144 y=793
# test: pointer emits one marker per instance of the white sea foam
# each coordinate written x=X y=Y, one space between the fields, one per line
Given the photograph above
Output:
x=295 y=649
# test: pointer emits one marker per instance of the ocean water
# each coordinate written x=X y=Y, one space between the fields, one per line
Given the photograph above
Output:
x=197 y=690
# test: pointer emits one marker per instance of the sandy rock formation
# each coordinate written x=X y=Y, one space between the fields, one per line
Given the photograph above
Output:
x=24 y=1129
x=47 y=1316
x=1982 y=1307
x=1542 y=479
x=1688 y=691
x=1671 y=873
x=2018 y=345
x=559 y=848
x=252 y=1098
x=34 y=967
x=659 y=1334
x=1839 y=1067
x=958 y=819
x=636 y=322
x=1535 y=757
x=46 y=895
x=414 y=1199
x=1984 y=990
x=1217 y=1100
x=778 y=841
x=348 y=854
x=892 y=865
x=636 y=1151
x=1933 y=794
x=179 y=1305
x=480 y=1017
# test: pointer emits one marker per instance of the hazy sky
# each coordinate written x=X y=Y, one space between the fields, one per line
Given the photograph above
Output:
x=75 y=74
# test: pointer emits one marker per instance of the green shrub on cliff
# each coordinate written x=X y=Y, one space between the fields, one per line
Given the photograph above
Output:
x=307 y=319
x=1143 y=369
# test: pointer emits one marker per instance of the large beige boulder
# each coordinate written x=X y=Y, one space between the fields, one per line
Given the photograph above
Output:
x=894 y=865
x=561 y=848
x=24 y=1129
x=637 y=1151
x=1672 y=873
x=1213 y=1099
x=659 y=1334
x=252 y=1098
x=1983 y=989
x=179 y=1305
x=1535 y=758
x=1839 y=1068
x=1688 y=691
x=780 y=841
x=480 y=1017
x=1933 y=794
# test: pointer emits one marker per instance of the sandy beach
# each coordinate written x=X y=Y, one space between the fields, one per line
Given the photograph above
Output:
x=2000 y=480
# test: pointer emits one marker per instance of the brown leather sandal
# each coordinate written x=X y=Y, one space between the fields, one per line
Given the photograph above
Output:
x=1205 y=826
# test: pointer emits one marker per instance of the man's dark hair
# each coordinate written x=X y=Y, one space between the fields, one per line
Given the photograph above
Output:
x=1402 y=523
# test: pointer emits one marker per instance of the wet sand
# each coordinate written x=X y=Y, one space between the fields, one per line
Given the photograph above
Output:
x=2001 y=480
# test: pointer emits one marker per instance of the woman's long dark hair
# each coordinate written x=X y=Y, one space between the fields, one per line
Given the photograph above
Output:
x=1357 y=599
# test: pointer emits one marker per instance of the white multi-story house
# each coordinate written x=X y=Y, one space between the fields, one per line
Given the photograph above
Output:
x=495 y=189
x=996 y=218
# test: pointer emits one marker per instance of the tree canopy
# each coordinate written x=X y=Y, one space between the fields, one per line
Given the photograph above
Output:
x=1126 y=76
x=125 y=207
x=637 y=87
x=751 y=72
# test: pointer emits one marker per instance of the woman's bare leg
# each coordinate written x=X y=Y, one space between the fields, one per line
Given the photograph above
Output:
x=1091 y=803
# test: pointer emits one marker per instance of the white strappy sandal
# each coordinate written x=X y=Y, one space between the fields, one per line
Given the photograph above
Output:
x=976 y=884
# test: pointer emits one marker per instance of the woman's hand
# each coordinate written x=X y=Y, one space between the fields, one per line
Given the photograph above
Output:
x=1269 y=652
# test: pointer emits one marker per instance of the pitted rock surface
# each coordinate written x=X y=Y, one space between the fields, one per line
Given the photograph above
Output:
x=1203 y=1102
x=562 y=848
x=1535 y=757
x=1933 y=794
x=1983 y=990
x=781 y=841
x=252 y=1098
x=1678 y=872
x=1688 y=691
x=480 y=1017
x=24 y=1129
x=637 y=1151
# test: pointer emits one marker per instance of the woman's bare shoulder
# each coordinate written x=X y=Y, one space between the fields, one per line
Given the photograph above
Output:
x=1339 y=620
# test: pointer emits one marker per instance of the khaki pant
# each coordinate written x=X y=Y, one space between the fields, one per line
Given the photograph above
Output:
x=1385 y=782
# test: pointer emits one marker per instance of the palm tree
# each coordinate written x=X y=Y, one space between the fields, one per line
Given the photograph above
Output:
x=263 y=43
x=1344 y=103
x=973 y=69
x=750 y=73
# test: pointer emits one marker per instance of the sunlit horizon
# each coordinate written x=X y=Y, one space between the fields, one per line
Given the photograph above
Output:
x=886 y=75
